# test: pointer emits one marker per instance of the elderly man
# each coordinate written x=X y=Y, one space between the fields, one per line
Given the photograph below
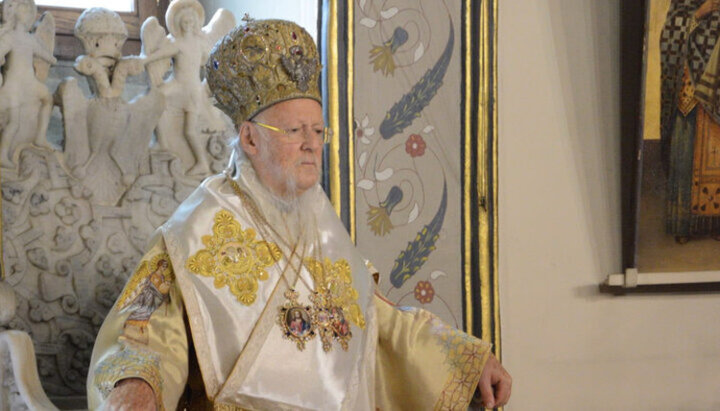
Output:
x=281 y=308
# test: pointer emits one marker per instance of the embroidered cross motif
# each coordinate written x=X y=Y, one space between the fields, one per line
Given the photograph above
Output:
x=234 y=258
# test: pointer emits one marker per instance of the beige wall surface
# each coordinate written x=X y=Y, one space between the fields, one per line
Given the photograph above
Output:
x=303 y=12
x=567 y=346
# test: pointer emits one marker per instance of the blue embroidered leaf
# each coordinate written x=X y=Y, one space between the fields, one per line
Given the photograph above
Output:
x=411 y=104
x=418 y=250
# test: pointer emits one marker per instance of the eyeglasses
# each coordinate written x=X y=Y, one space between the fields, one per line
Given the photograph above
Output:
x=297 y=134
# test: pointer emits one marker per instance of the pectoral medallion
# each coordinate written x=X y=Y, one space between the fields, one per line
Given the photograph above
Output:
x=334 y=307
x=296 y=320
x=330 y=323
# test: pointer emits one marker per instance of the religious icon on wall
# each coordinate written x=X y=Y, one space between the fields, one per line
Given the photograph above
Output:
x=679 y=202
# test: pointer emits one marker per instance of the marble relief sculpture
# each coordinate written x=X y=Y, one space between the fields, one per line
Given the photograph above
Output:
x=107 y=139
x=26 y=53
x=189 y=111
x=75 y=221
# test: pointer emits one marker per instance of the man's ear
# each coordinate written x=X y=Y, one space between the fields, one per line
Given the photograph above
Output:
x=248 y=139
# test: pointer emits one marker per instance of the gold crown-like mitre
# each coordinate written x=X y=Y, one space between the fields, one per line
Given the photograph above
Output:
x=260 y=64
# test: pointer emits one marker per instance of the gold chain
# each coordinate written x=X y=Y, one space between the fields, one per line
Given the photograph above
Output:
x=263 y=225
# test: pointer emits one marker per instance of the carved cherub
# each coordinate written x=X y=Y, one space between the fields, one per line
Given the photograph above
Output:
x=188 y=45
x=103 y=34
x=106 y=138
x=26 y=54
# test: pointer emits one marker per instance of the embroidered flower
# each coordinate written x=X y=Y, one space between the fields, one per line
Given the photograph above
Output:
x=415 y=145
x=383 y=57
x=363 y=130
x=245 y=289
x=379 y=217
x=424 y=292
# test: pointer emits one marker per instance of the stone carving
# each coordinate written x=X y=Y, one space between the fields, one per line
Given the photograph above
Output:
x=106 y=138
x=26 y=53
x=68 y=258
x=7 y=304
x=190 y=111
x=76 y=223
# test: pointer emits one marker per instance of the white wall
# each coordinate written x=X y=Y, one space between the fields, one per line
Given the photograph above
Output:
x=567 y=346
x=303 y=12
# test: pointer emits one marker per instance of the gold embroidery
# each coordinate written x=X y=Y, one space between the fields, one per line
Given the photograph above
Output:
x=334 y=280
x=226 y=407
x=466 y=356
x=686 y=98
x=130 y=362
x=234 y=258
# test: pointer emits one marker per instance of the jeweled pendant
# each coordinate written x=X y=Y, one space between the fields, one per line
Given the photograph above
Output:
x=296 y=320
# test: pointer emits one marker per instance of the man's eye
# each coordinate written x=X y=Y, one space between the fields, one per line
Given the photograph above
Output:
x=293 y=130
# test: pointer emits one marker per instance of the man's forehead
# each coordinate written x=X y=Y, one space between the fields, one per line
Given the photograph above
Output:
x=299 y=108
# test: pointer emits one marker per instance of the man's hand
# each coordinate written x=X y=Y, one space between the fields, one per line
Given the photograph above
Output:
x=706 y=8
x=131 y=394
x=495 y=384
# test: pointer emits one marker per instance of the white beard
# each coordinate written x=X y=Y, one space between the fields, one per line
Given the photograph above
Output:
x=291 y=216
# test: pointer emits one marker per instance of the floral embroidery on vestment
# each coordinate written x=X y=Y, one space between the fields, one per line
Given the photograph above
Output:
x=234 y=258
x=465 y=355
x=334 y=280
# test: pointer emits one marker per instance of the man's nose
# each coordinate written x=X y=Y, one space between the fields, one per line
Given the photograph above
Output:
x=311 y=140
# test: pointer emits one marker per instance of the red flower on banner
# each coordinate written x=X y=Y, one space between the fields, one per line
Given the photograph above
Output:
x=415 y=145
x=424 y=292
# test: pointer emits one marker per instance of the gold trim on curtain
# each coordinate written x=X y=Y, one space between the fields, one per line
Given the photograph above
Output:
x=333 y=104
x=482 y=163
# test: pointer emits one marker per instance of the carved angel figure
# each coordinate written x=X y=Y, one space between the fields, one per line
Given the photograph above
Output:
x=188 y=101
x=26 y=54
x=107 y=139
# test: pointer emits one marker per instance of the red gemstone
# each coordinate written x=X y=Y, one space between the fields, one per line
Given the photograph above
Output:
x=294 y=36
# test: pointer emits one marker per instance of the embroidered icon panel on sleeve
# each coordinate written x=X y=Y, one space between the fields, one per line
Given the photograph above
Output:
x=147 y=290
x=234 y=258
x=155 y=270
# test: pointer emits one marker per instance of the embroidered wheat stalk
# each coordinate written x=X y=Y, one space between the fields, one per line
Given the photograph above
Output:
x=411 y=104
x=418 y=250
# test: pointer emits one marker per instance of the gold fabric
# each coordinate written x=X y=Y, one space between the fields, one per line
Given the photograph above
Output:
x=396 y=359
x=705 y=192
x=686 y=97
x=422 y=363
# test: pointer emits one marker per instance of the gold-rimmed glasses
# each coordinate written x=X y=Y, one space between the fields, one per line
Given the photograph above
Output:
x=297 y=134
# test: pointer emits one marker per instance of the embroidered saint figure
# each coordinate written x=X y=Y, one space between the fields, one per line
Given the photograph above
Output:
x=151 y=291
